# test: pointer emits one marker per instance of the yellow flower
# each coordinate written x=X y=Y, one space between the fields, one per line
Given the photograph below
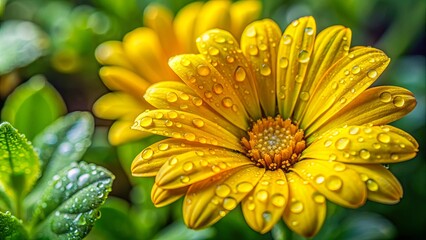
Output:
x=141 y=58
x=278 y=124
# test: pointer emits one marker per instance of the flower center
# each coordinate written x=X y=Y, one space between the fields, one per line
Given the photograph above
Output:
x=274 y=143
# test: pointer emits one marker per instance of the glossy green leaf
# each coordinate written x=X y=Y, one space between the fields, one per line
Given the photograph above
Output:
x=11 y=228
x=33 y=106
x=61 y=143
x=70 y=204
x=19 y=163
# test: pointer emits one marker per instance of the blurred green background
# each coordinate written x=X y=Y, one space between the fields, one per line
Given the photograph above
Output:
x=57 y=38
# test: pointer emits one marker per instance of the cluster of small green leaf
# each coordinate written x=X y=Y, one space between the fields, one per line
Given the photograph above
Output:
x=46 y=192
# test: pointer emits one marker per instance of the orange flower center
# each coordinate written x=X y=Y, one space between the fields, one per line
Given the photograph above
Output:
x=274 y=143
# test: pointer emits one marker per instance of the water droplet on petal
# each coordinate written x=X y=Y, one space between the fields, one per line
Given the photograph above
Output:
x=184 y=179
x=240 y=74
x=198 y=122
x=218 y=88
x=173 y=161
x=185 y=62
x=398 y=101
x=172 y=114
x=309 y=31
x=244 y=187
x=283 y=62
x=278 y=200
x=189 y=136
x=319 y=179
x=334 y=183
x=265 y=70
x=171 y=97
x=385 y=97
x=296 y=207
x=147 y=153
x=229 y=203
x=356 y=69
x=286 y=39
x=354 y=130
x=372 y=185
x=303 y=56
x=394 y=156
x=219 y=39
x=383 y=138
x=223 y=190
x=342 y=143
x=304 y=96
x=364 y=154
x=318 y=198
x=227 y=102
x=267 y=216
x=213 y=51
x=253 y=50
x=339 y=167
x=251 y=32
x=230 y=59
x=188 y=166
x=328 y=143
x=262 y=195
x=197 y=101
x=203 y=70
x=372 y=74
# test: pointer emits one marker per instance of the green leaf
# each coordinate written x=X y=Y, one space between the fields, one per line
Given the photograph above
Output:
x=61 y=143
x=19 y=164
x=70 y=205
x=11 y=228
x=33 y=106
x=178 y=231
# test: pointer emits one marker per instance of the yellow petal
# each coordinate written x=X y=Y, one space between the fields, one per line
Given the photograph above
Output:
x=211 y=86
x=213 y=14
x=363 y=144
x=306 y=209
x=121 y=132
x=377 y=105
x=112 y=53
x=259 y=43
x=152 y=158
x=162 y=197
x=184 y=26
x=382 y=185
x=331 y=44
x=117 y=105
x=343 y=82
x=264 y=206
x=183 y=125
x=191 y=167
x=208 y=201
x=338 y=183
x=178 y=96
x=118 y=78
x=160 y=19
x=243 y=13
x=221 y=50
x=143 y=48
x=294 y=55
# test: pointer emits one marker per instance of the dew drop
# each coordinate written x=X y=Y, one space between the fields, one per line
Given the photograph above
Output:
x=364 y=154
x=73 y=173
x=342 y=143
x=227 y=102
x=184 y=179
x=240 y=74
x=223 y=190
x=328 y=143
x=295 y=23
x=303 y=56
x=262 y=195
x=263 y=47
x=398 y=101
x=173 y=161
x=383 y=138
x=334 y=183
x=309 y=31
x=163 y=146
x=280 y=182
x=296 y=207
x=229 y=203
x=372 y=74
x=278 y=200
x=283 y=62
x=332 y=157
x=159 y=115
x=219 y=39
x=354 y=130
x=172 y=114
x=188 y=166
x=230 y=59
x=208 y=94
x=83 y=179
x=251 y=206
x=319 y=179
x=244 y=187
x=318 y=198
x=197 y=101
x=356 y=69
x=394 y=156
x=339 y=167
x=251 y=32
x=171 y=97
x=198 y=122
x=203 y=70
x=372 y=185
x=185 y=62
x=213 y=51
x=147 y=153
x=265 y=70
x=189 y=136
x=286 y=39
x=363 y=177
x=253 y=50
x=218 y=88
x=385 y=97
x=304 y=96
x=168 y=123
